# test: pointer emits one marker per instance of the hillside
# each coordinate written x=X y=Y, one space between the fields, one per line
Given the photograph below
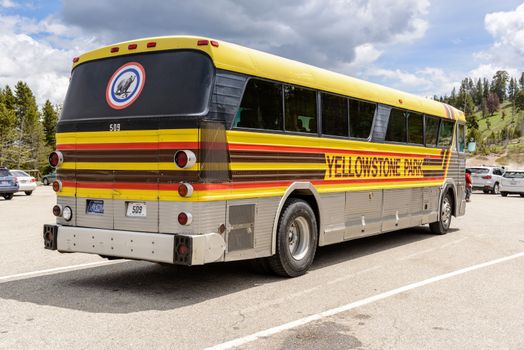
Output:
x=497 y=134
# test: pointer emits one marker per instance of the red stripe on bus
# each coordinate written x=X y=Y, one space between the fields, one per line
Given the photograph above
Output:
x=249 y=147
x=128 y=145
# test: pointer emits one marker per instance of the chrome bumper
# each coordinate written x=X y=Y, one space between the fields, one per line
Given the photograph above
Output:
x=158 y=247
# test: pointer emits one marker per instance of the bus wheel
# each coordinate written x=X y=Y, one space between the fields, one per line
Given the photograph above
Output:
x=441 y=226
x=296 y=240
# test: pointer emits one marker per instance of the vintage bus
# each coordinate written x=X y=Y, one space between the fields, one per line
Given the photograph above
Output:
x=188 y=150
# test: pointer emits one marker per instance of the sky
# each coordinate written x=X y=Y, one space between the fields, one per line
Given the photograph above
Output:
x=425 y=47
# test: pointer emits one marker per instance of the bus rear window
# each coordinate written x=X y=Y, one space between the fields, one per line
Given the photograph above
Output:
x=146 y=84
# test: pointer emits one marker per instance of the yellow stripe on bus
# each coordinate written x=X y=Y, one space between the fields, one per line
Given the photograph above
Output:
x=129 y=136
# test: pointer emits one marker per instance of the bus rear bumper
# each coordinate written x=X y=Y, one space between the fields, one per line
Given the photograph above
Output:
x=157 y=247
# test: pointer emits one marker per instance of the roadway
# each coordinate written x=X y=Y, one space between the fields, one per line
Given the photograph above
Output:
x=402 y=290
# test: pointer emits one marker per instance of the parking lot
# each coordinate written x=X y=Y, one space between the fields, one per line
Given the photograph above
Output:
x=403 y=290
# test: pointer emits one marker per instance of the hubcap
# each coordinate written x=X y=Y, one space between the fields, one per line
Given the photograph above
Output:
x=445 y=215
x=298 y=236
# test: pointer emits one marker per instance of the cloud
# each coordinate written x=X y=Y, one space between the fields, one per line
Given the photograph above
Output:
x=39 y=53
x=427 y=82
x=7 y=4
x=326 y=33
x=341 y=35
x=507 y=30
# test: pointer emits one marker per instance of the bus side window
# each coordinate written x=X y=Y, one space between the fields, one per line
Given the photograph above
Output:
x=397 y=126
x=431 y=131
x=261 y=106
x=415 y=128
x=301 y=109
x=445 y=135
x=334 y=115
x=461 y=138
x=361 y=116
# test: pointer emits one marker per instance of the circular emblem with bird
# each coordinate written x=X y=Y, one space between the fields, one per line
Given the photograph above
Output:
x=125 y=85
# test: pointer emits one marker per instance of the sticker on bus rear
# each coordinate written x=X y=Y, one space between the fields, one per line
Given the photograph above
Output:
x=125 y=85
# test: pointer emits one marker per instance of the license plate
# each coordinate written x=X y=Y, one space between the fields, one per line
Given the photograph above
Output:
x=5 y=183
x=136 y=209
x=95 y=206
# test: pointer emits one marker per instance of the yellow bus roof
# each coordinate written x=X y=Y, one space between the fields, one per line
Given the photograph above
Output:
x=252 y=62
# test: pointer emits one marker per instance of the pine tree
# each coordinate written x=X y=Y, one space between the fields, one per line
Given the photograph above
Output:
x=479 y=93
x=50 y=118
x=7 y=98
x=30 y=132
x=513 y=89
x=7 y=135
x=521 y=81
x=493 y=103
x=485 y=87
x=500 y=82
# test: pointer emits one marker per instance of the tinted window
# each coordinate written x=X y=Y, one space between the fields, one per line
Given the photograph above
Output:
x=445 y=134
x=479 y=170
x=301 y=109
x=461 y=138
x=415 y=128
x=172 y=83
x=360 y=118
x=431 y=131
x=4 y=172
x=334 y=115
x=261 y=106
x=19 y=173
x=397 y=126
x=514 y=174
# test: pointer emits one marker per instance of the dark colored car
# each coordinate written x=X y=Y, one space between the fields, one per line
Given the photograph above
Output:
x=8 y=184
x=49 y=178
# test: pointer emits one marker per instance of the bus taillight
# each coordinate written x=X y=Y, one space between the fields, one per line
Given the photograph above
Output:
x=57 y=185
x=185 y=218
x=56 y=158
x=185 y=159
x=151 y=44
x=185 y=189
x=57 y=210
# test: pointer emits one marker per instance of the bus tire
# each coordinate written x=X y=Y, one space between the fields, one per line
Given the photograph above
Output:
x=441 y=226
x=297 y=237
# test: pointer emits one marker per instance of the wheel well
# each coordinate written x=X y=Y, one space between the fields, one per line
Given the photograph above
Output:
x=310 y=199
x=453 y=200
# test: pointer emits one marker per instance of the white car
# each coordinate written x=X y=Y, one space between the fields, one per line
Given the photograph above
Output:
x=486 y=178
x=26 y=182
x=512 y=183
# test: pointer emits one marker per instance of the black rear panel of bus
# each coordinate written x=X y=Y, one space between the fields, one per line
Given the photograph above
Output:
x=176 y=83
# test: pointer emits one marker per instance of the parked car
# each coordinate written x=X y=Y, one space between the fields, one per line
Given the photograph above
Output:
x=26 y=183
x=486 y=178
x=49 y=178
x=8 y=184
x=512 y=183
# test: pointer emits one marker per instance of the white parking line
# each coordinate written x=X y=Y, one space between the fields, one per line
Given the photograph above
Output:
x=300 y=322
x=26 y=275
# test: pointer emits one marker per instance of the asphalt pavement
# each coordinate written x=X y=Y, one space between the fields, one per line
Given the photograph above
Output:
x=401 y=290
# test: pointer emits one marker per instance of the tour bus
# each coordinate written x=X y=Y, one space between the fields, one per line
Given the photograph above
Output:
x=188 y=150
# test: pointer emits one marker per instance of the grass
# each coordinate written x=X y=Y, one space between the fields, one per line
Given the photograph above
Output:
x=497 y=122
